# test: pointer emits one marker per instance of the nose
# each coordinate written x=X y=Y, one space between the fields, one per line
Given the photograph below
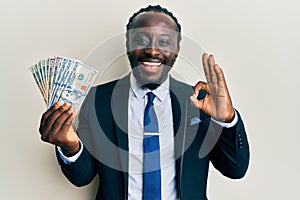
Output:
x=152 y=51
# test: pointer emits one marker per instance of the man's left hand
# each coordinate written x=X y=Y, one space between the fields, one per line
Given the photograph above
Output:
x=217 y=102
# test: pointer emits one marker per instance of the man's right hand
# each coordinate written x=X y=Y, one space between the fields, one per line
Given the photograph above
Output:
x=56 y=128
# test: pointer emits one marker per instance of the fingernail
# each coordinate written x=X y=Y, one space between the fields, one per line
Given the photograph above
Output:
x=57 y=104
x=69 y=110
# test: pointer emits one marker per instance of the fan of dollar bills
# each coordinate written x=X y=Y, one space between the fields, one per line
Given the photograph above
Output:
x=62 y=80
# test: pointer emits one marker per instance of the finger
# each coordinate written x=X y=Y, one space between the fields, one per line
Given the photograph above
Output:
x=212 y=72
x=63 y=136
x=194 y=98
x=205 y=67
x=197 y=103
x=200 y=86
x=68 y=122
x=61 y=120
x=48 y=113
x=220 y=75
x=52 y=119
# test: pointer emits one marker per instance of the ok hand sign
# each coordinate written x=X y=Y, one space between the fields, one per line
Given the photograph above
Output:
x=217 y=102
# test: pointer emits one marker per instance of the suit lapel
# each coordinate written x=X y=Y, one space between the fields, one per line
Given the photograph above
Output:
x=182 y=113
x=119 y=104
x=179 y=108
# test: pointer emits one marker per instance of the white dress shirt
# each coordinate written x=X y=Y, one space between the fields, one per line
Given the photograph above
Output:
x=163 y=108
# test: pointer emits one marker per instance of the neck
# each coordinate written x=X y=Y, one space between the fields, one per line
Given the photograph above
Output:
x=150 y=86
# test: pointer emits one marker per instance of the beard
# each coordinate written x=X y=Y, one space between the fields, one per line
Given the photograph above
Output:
x=148 y=79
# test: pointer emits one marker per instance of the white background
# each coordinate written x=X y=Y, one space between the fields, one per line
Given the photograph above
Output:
x=256 y=42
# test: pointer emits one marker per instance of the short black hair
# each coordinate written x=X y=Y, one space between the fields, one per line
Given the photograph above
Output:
x=156 y=8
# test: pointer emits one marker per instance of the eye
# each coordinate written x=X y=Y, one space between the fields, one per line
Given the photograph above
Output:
x=141 y=41
x=164 y=42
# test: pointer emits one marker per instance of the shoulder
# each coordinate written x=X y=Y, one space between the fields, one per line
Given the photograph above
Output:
x=110 y=86
x=177 y=83
x=181 y=92
x=185 y=89
x=106 y=86
x=179 y=88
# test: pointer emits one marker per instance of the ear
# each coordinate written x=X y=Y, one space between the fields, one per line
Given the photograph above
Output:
x=177 y=50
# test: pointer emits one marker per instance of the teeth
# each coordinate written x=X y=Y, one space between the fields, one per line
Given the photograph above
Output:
x=151 y=63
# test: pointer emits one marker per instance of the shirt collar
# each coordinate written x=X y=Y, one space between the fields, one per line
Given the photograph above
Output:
x=161 y=92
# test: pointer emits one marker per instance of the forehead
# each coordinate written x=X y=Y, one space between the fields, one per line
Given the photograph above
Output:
x=155 y=20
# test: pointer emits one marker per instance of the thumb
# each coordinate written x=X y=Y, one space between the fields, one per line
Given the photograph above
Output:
x=195 y=102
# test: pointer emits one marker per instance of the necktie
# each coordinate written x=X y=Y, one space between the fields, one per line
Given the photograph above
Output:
x=151 y=175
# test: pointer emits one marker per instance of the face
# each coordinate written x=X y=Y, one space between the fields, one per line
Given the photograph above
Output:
x=152 y=47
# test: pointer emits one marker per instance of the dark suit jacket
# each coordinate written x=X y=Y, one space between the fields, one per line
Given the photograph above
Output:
x=103 y=124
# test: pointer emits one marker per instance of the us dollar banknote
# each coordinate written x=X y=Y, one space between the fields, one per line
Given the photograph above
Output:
x=63 y=80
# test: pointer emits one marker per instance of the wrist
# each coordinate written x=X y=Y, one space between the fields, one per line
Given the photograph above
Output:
x=227 y=118
x=230 y=116
x=71 y=150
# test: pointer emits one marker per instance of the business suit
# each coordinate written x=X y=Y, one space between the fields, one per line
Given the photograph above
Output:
x=103 y=130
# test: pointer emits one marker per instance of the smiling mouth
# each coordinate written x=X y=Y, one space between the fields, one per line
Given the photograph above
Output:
x=151 y=66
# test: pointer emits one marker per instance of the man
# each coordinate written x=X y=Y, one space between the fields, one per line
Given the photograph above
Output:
x=195 y=125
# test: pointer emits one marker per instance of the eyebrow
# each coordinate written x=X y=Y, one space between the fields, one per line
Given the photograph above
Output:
x=145 y=33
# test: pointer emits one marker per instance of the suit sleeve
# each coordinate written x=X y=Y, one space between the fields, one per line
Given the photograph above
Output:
x=231 y=154
x=83 y=170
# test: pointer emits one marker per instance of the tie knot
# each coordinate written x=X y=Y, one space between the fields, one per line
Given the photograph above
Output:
x=151 y=97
